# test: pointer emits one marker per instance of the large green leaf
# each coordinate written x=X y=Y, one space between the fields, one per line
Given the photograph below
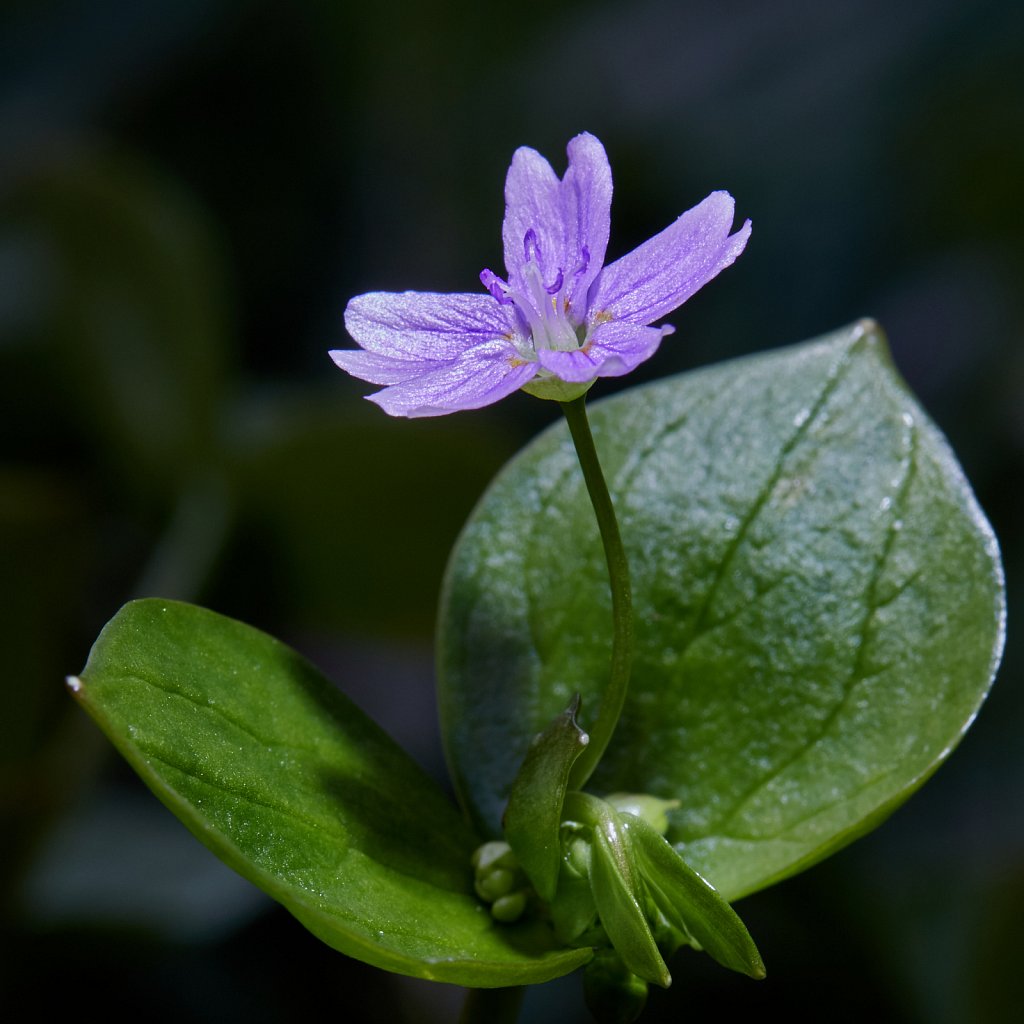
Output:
x=819 y=606
x=290 y=784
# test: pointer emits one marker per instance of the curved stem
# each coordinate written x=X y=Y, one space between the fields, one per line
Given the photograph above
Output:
x=491 y=1005
x=622 y=601
x=186 y=553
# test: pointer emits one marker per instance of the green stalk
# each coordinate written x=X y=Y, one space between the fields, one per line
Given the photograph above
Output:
x=491 y=1005
x=622 y=602
x=186 y=553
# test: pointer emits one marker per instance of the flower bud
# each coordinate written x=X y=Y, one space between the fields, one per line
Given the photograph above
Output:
x=651 y=808
x=509 y=908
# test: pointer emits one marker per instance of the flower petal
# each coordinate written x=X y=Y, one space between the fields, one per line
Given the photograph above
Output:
x=378 y=369
x=480 y=376
x=532 y=203
x=587 y=208
x=614 y=349
x=666 y=270
x=570 y=219
x=424 y=328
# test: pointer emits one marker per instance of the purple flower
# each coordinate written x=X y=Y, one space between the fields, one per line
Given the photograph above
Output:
x=561 y=319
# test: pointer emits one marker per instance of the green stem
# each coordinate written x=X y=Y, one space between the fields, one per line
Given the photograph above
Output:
x=491 y=1005
x=186 y=553
x=622 y=601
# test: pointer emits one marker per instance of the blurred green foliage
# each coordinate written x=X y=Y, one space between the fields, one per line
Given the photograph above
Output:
x=190 y=193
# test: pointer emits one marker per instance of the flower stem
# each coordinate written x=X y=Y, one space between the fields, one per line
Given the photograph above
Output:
x=492 y=1005
x=622 y=602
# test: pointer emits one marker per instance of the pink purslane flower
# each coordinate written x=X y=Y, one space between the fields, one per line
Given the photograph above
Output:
x=561 y=319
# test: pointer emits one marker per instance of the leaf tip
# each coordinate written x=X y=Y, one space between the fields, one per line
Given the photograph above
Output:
x=866 y=325
x=868 y=332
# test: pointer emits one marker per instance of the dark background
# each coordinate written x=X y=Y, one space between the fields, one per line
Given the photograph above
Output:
x=189 y=194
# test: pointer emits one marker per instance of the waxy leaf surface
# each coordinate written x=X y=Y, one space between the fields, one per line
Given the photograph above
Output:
x=819 y=606
x=294 y=787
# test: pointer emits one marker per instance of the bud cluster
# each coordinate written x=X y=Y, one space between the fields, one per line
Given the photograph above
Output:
x=500 y=882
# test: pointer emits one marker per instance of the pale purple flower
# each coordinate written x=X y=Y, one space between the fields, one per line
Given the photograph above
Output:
x=561 y=319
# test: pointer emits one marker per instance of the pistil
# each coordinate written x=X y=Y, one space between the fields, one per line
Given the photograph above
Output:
x=544 y=307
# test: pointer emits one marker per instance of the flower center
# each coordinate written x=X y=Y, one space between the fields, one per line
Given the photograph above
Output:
x=544 y=307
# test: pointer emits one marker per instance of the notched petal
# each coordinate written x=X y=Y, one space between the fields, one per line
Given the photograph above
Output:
x=532 y=204
x=426 y=326
x=378 y=369
x=481 y=376
x=662 y=273
x=586 y=209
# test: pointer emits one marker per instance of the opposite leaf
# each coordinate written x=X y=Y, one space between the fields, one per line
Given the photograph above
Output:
x=818 y=605
x=292 y=786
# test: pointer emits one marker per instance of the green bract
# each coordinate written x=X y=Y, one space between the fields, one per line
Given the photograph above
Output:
x=534 y=813
x=818 y=603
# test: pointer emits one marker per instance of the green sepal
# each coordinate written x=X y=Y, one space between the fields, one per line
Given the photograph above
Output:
x=572 y=910
x=534 y=810
x=281 y=776
x=618 y=888
x=553 y=389
x=690 y=904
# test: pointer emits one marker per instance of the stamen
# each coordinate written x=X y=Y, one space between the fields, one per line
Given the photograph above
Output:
x=494 y=284
x=544 y=308
x=531 y=247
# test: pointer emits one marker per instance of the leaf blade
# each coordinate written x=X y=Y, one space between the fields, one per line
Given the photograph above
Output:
x=818 y=601
x=274 y=770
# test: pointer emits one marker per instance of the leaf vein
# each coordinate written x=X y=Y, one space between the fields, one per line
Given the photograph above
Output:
x=858 y=672
x=761 y=499
x=219 y=712
x=238 y=793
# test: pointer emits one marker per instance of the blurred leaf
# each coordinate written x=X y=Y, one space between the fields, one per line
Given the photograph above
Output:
x=134 y=309
x=292 y=786
x=46 y=566
x=349 y=543
x=122 y=861
x=43 y=552
x=819 y=606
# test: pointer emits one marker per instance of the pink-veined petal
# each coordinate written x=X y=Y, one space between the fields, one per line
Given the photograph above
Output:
x=586 y=209
x=378 y=369
x=663 y=272
x=479 y=377
x=439 y=353
x=425 y=327
x=569 y=218
x=614 y=349
x=533 y=202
